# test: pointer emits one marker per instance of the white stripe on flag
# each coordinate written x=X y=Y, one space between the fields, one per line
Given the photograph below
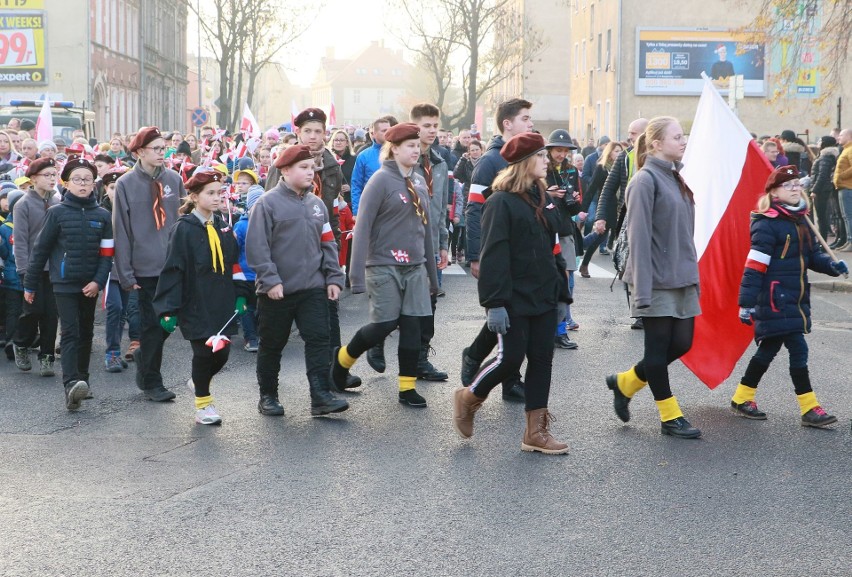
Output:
x=713 y=169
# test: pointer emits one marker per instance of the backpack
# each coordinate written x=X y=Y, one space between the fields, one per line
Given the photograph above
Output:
x=621 y=248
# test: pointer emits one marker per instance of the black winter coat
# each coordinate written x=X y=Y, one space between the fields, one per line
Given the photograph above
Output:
x=518 y=267
x=77 y=239
x=189 y=288
x=775 y=281
x=567 y=178
x=823 y=172
x=483 y=175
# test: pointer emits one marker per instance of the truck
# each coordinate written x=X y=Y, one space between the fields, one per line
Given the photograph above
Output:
x=66 y=116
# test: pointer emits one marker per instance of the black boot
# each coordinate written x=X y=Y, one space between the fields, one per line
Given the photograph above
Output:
x=323 y=401
x=339 y=377
x=513 y=390
x=376 y=357
x=426 y=370
x=469 y=367
x=269 y=405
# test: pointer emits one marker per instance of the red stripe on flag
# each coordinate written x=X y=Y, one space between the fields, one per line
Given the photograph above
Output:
x=720 y=339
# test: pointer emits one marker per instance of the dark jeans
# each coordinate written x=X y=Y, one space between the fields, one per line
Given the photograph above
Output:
x=206 y=364
x=116 y=307
x=530 y=337
x=134 y=328
x=77 y=316
x=310 y=310
x=14 y=300
x=39 y=318
x=796 y=346
x=152 y=335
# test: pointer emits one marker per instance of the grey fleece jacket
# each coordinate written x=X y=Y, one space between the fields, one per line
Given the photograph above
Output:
x=439 y=200
x=388 y=231
x=660 y=227
x=290 y=242
x=140 y=249
x=28 y=218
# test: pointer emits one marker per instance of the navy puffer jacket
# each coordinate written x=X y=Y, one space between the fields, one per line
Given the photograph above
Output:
x=77 y=238
x=775 y=281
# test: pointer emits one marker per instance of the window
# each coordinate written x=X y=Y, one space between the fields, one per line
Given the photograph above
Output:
x=598 y=119
x=600 y=50
x=608 y=47
x=585 y=66
x=576 y=59
x=607 y=119
x=356 y=96
x=377 y=72
x=591 y=85
x=592 y=22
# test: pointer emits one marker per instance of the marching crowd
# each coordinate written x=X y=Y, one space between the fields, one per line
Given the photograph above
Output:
x=258 y=231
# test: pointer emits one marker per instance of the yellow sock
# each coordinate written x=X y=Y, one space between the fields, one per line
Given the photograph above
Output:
x=346 y=361
x=406 y=383
x=202 y=402
x=629 y=383
x=743 y=393
x=807 y=401
x=669 y=409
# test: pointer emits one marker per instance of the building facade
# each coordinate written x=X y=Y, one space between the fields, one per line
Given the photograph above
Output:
x=622 y=50
x=375 y=83
x=544 y=78
x=123 y=59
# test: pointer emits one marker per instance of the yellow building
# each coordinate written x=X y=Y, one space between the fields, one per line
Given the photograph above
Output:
x=633 y=58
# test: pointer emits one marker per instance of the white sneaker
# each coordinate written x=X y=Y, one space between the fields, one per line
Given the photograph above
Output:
x=208 y=416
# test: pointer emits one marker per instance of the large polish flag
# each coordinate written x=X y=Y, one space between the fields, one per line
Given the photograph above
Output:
x=248 y=125
x=726 y=171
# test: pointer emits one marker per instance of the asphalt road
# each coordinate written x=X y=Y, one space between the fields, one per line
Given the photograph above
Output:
x=129 y=487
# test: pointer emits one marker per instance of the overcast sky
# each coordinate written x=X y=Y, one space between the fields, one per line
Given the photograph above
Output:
x=347 y=25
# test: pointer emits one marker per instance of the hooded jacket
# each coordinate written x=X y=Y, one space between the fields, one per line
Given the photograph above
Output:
x=77 y=239
x=775 y=281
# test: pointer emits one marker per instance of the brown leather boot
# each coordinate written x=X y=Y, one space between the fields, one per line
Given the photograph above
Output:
x=537 y=437
x=584 y=271
x=465 y=405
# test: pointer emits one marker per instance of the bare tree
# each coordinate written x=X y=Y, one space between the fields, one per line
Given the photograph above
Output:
x=811 y=37
x=487 y=39
x=245 y=36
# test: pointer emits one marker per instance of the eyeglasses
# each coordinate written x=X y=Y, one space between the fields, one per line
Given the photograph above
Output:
x=792 y=185
x=79 y=181
x=156 y=149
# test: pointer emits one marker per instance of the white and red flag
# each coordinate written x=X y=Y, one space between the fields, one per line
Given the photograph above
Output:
x=726 y=171
x=332 y=115
x=44 y=124
x=248 y=125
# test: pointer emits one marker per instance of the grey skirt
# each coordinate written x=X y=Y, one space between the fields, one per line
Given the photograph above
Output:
x=567 y=246
x=398 y=290
x=680 y=303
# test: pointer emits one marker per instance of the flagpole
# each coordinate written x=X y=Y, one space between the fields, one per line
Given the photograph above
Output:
x=824 y=244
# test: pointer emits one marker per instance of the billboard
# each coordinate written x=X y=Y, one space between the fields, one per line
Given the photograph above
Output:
x=22 y=43
x=669 y=61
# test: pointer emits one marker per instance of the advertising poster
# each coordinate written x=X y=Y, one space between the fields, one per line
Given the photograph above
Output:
x=670 y=61
x=22 y=43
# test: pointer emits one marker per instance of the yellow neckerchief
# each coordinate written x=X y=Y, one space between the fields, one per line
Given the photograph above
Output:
x=215 y=244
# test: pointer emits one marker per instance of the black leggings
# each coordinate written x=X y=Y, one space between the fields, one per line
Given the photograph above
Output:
x=205 y=365
x=530 y=337
x=666 y=340
x=372 y=334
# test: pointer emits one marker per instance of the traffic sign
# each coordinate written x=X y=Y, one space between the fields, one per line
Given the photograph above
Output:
x=199 y=117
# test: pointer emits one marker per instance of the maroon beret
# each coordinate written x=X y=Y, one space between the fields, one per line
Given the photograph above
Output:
x=522 y=146
x=201 y=179
x=144 y=137
x=310 y=115
x=293 y=155
x=401 y=132
x=781 y=175
x=40 y=164
x=75 y=162
x=112 y=176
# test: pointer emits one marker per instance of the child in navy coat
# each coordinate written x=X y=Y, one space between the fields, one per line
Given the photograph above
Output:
x=775 y=293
